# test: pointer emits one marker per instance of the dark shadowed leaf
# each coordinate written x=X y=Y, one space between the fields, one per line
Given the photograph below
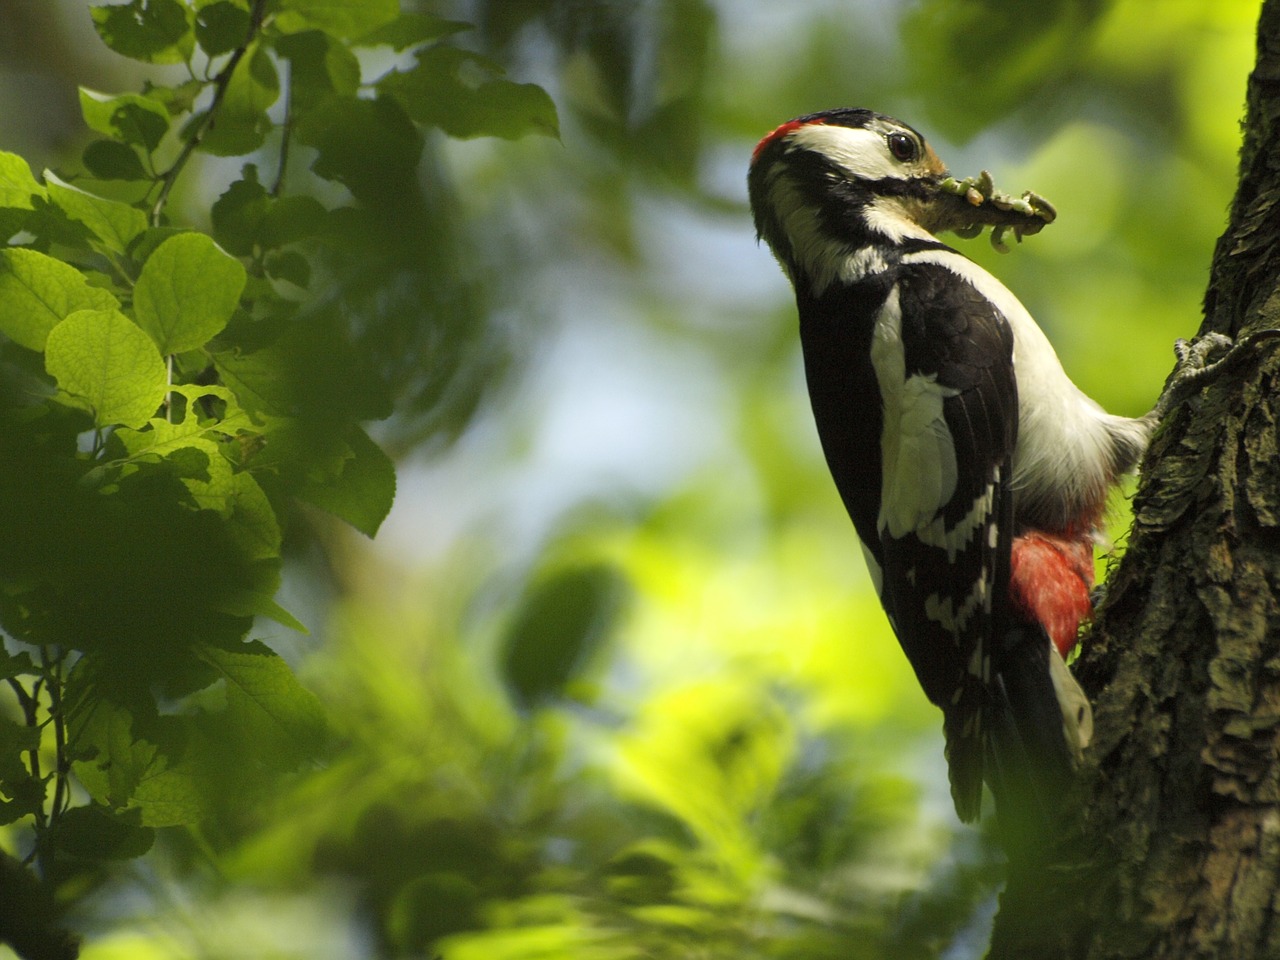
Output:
x=112 y=160
x=95 y=832
x=562 y=620
x=362 y=493
x=440 y=91
x=154 y=31
x=221 y=27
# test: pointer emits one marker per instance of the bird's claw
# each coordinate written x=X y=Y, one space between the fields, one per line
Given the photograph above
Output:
x=1204 y=360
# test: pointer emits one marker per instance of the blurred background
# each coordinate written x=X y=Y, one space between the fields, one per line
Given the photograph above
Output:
x=611 y=682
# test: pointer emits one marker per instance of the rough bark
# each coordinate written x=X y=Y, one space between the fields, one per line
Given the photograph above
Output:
x=1178 y=853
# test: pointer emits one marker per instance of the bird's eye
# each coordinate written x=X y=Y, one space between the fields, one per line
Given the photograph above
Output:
x=902 y=147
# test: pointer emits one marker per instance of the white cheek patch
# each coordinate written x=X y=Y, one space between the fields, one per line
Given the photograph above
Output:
x=861 y=152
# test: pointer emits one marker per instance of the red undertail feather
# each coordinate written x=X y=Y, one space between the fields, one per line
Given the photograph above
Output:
x=1051 y=577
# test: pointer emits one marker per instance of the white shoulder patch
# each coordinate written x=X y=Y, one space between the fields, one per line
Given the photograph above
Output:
x=917 y=449
x=1064 y=437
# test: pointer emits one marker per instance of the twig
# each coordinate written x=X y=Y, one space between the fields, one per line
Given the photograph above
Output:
x=220 y=84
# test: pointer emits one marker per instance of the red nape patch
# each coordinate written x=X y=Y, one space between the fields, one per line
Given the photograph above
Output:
x=1050 y=582
x=778 y=134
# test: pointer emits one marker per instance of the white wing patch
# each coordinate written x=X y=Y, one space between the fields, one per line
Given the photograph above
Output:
x=943 y=610
x=918 y=453
x=955 y=539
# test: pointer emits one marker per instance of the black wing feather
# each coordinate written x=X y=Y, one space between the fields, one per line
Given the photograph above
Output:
x=945 y=600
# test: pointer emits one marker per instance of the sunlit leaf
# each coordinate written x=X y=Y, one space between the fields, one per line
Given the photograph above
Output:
x=17 y=185
x=114 y=224
x=129 y=118
x=265 y=702
x=37 y=292
x=187 y=291
x=410 y=29
x=342 y=18
x=105 y=361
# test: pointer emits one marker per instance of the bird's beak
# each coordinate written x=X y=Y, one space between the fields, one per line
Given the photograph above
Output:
x=967 y=206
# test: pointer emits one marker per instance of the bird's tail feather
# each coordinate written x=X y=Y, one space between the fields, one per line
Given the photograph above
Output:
x=1038 y=721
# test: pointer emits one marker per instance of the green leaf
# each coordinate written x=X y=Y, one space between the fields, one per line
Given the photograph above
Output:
x=290 y=266
x=242 y=123
x=222 y=26
x=114 y=759
x=178 y=99
x=105 y=361
x=435 y=92
x=96 y=833
x=114 y=224
x=15 y=740
x=362 y=495
x=128 y=762
x=153 y=31
x=16 y=665
x=369 y=146
x=411 y=29
x=342 y=18
x=112 y=160
x=266 y=705
x=38 y=292
x=187 y=292
x=238 y=213
x=319 y=67
x=254 y=526
x=291 y=219
x=559 y=625
x=17 y=185
x=24 y=792
x=129 y=118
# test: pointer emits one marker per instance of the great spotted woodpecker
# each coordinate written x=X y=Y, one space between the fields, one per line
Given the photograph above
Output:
x=974 y=470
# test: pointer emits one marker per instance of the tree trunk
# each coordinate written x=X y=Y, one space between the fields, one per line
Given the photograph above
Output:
x=1178 y=852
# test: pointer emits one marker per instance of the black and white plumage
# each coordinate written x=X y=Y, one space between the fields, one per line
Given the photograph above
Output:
x=954 y=437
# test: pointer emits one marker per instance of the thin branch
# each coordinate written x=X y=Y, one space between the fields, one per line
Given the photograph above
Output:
x=62 y=766
x=220 y=84
x=286 y=131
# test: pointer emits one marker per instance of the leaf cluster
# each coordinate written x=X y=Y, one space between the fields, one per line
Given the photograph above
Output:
x=170 y=396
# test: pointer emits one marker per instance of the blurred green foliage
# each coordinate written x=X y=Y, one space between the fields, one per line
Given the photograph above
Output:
x=612 y=682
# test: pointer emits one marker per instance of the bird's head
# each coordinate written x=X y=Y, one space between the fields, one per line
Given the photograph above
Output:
x=831 y=190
